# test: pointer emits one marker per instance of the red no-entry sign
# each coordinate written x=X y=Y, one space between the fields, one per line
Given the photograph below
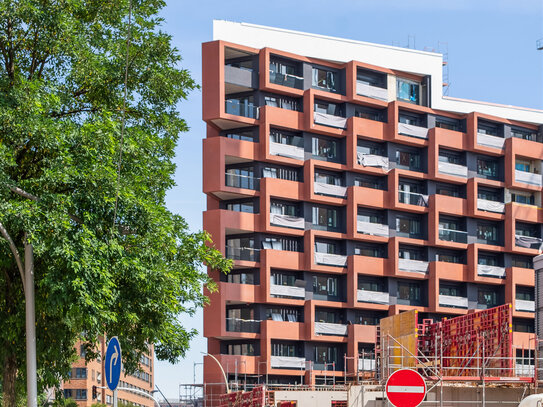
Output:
x=405 y=388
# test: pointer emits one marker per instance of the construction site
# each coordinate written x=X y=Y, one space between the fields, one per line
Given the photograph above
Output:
x=468 y=360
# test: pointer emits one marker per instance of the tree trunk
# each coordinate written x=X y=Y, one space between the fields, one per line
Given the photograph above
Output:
x=10 y=374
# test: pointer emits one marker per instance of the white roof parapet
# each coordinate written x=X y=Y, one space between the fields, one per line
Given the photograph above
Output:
x=344 y=50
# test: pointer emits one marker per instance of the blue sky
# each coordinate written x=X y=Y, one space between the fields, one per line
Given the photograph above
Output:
x=492 y=57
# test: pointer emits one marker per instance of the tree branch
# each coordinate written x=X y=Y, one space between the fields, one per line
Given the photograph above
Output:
x=13 y=248
x=24 y=194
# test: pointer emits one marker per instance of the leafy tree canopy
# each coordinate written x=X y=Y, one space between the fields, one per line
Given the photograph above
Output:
x=62 y=72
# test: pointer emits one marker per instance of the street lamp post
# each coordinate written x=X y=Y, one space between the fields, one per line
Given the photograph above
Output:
x=222 y=370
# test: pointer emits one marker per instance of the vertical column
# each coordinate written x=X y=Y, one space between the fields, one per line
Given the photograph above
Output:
x=538 y=267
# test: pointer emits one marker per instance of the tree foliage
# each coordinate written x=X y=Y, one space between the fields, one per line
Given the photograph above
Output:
x=62 y=65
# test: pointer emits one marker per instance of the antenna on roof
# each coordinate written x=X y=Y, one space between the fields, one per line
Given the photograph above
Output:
x=443 y=49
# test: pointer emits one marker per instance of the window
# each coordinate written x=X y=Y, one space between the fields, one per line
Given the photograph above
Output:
x=371 y=285
x=242 y=64
x=487 y=168
x=285 y=349
x=281 y=243
x=451 y=290
x=240 y=277
x=449 y=190
x=527 y=229
x=81 y=394
x=246 y=206
x=523 y=325
x=68 y=393
x=326 y=354
x=371 y=78
x=408 y=91
x=288 y=174
x=451 y=157
x=488 y=128
x=246 y=349
x=324 y=285
x=284 y=208
x=489 y=194
x=527 y=199
x=329 y=316
x=409 y=227
x=283 y=102
x=450 y=257
x=412 y=119
x=525 y=134
x=286 y=74
x=370 y=250
x=489 y=259
x=367 y=318
x=242 y=106
x=487 y=297
x=448 y=123
x=325 y=217
x=324 y=79
x=241 y=249
x=80 y=372
x=368 y=181
x=279 y=278
x=324 y=148
x=487 y=233
x=281 y=137
x=370 y=148
x=522 y=262
x=329 y=108
x=241 y=177
x=82 y=351
x=240 y=135
x=327 y=178
x=370 y=217
x=326 y=247
x=370 y=114
x=411 y=193
x=522 y=166
x=525 y=293
x=408 y=160
x=282 y=67
x=284 y=314
x=409 y=291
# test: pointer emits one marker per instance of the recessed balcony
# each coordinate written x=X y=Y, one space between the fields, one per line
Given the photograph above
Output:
x=528 y=242
x=375 y=229
x=372 y=160
x=330 y=259
x=490 y=271
x=370 y=91
x=488 y=140
x=330 y=120
x=327 y=328
x=288 y=221
x=450 y=235
x=453 y=301
x=524 y=305
x=287 y=362
x=242 y=325
x=285 y=79
x=412 y=130
x=242 y=181
x=452 y=169
x=241 y=108
x=412 y=198
x=329 y=189
x=528 y=178
x=414 y=266
x=242 y=253
x=375 y=297
x=287 y=291
x=287 y=150
x=490 y=206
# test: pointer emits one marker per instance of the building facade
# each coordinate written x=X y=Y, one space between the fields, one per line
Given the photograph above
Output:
x=85 y=375
x=347 y=188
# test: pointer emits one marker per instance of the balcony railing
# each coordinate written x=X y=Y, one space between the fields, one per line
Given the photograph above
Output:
x=528 y=178
x=242 y=181
x=412 y=198
x=490 y=206
x=327 y=328
x=375 y=229
x=240 y=76
x=330 y=120
x=329 y=189
x=374 y=92
x=525 y=305
x=490 y=271
x=412 y=130
x=331 y=259
x=242 y=253
x=415 y=266
x=450 y=235
x=245 y=109
x=376 y=297
x=453 y=169
x=286 y=79
x=453 y=301
x=366 y=365
x=286 y=150
x=287 y=362
x=490 y=141
x=287 y=291
x=242 y=325
x=372 y=160
x=287 y=221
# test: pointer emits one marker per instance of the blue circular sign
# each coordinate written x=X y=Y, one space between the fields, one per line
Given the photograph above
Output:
x=113 y=363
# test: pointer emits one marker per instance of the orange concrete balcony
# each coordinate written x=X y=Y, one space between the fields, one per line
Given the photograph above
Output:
x=242 y=293
x=292 y=331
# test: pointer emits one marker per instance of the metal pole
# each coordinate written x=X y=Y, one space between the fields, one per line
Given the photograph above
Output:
x=236 y=374
x=31 y=369
x=222 y=370
x=115 y=398
x=483 y=374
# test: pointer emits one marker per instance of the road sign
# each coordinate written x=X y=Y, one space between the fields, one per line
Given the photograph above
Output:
x=113 y=363
x=405 y=388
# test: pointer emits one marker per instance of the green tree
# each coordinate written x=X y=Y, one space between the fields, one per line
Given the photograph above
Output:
x=131 y=268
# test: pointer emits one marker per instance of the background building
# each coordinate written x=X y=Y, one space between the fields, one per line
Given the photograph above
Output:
x=84 y=375
x=346 y=188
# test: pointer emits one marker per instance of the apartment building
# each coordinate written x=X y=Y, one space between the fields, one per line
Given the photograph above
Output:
x=85 y=375
x=347 y=188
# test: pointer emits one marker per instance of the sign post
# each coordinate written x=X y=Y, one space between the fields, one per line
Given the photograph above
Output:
x=113 y=366
x=405 y=388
